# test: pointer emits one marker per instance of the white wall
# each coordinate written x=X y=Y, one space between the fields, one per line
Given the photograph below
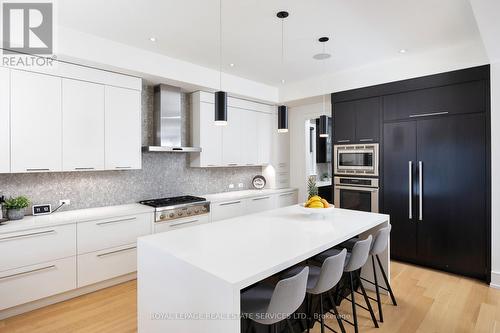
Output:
x=297 y=117
x=91 y=50
x=403 y=66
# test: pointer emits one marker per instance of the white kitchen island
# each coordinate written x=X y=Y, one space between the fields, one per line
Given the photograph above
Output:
x=189 y=280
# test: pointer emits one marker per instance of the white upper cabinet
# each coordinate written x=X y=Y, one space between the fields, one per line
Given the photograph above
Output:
x=4 y=120
x=265 y=138
x=232 y=138
x=205 y=134
x=122 y=129
x=83 y=125
x=36 y=122
x=249 y=133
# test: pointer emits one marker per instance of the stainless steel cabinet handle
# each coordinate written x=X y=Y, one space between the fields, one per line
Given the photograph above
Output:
x=28 y=272
x=286 y=194
x=342 y=141
x=229 y=203
x=427 y=114
x=32 y=234
x=410 y=188
x=39 y=169
x=182 y=223
x=366 y=140
x=123 y=167
x=117 y=221
x=261 y=198
x=81 y=169
x=117 y=251
x=232 y=164
x=420 y=189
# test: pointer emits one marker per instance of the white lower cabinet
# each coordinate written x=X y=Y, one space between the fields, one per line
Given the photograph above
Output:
x=228 y=209
x=34 y=246
x=29 y=283
x=287 y=199
x=181 y=223
x=111 y=232
x=106 y=264
x=260 y=204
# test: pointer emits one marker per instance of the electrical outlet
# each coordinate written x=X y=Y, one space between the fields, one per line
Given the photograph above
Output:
x=240 y=185
x=66 y=202
x=231 y=185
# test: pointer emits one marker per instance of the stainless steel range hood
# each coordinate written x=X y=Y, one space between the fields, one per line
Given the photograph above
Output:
x=168 y=122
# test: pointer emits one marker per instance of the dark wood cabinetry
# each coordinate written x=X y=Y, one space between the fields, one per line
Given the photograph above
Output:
x=357 y=121
x=435 y=177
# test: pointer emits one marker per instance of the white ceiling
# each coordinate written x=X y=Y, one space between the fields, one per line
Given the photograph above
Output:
x=361 y=31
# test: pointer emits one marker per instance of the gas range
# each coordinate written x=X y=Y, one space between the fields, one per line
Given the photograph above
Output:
x=167 y=209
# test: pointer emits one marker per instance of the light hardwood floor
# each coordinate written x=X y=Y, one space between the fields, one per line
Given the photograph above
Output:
x=429 y=301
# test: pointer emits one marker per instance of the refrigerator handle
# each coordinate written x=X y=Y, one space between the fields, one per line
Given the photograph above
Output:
x=410 y=190
x=420 y=190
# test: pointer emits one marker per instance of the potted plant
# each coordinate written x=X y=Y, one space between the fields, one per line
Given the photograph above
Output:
x=15 y=207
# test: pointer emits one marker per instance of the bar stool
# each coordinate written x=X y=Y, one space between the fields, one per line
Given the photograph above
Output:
x=379 y=246
x=320 y=281
x=269 y=305
x=356 y=260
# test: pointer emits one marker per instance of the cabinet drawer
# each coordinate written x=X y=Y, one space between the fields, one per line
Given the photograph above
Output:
x=287 y=199
x=107 y=233
x=37 y=245
x=181 y=223
x=260 y=204
x=23 y=285
x=106 y=264
x=228 y=209
x=466 y=97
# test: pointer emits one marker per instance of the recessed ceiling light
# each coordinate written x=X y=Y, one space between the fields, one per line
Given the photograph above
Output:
x=402 y=51
x=231 y=65
x=283 y=81
x=153 y=39
x=322 y=56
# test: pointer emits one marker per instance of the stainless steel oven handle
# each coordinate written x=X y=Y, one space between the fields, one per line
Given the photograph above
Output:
x=357 y=188
x=420 y=189
x=410 y=187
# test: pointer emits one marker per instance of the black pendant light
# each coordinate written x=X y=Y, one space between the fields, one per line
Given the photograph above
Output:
x=282 y=109
x=282 y=119
x=220 y=96
x=323 y=126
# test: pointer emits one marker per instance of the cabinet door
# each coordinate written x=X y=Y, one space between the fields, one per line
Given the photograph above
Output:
x=368 y=120
x=210 y=137
x=399 y=151
x=228 y=209
x=249 y=137
x=452 y=226
x=122 y=128
x=287 y=199
x=261 y=204
x=232 y=133
x=344 y=122
x=83 y=125
x=468 y=97
x=4 y=120
x=265 y=138
x=36 y=122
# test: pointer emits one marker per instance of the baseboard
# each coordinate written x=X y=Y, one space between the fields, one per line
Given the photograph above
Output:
x=23 y=308
x=495 y=280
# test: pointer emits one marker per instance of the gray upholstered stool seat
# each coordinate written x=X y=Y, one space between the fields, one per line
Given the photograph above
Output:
x=268 y=305
x=330 y=253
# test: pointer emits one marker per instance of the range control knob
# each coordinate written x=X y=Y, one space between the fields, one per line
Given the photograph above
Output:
x=179 y=214
x=162 y=216
x=204 y=209
x=189 y=212
x=171 y=215
x=196 y=211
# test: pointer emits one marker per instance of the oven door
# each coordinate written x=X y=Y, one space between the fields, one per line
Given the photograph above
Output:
x=357 y=198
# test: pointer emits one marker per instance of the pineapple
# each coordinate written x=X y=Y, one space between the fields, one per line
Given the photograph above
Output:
x=312 y=189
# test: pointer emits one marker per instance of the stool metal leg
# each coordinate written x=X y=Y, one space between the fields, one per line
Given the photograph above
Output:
x=368 y=304
x=353 y=301
x=386 y=281
x=308 y=311
x=289 y=325
x=322 y=313
x=336 y=312
x=379 y=303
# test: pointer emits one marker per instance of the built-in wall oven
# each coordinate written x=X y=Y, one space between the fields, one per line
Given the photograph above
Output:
x=355 y=159
x=357 y=193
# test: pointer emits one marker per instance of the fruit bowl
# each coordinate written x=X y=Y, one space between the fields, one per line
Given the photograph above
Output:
x=316 y=211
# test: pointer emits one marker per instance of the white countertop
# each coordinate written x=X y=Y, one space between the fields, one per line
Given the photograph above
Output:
x=73 y=216
x=235 y=195
x=247 y=249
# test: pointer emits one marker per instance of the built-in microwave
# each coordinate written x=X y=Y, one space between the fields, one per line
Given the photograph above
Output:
x=356 y=159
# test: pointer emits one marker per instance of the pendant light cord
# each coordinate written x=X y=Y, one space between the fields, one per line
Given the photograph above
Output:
x=220 y=44
x=282 y=49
